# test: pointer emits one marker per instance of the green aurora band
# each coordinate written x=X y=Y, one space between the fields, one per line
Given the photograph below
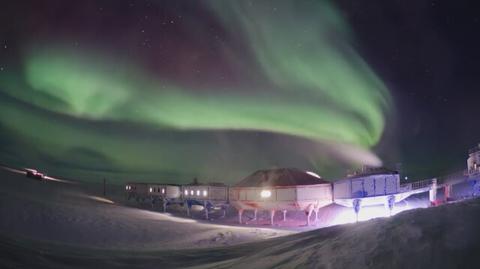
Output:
x=312 y=85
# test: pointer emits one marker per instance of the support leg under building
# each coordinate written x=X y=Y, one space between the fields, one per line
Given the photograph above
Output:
x=390 y=204
x=357 y=205
x=272 y=214
x=224 y=211
x=188 y=208
x=433 y=192
x=309 y=214
x=240 y=213
x=316 y=216
x=448 y=192
x=206 y=209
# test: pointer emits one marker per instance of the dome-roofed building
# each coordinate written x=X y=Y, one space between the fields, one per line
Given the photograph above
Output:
x=281 y=177
x=284 y=189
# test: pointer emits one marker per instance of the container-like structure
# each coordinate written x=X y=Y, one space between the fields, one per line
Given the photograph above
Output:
x=209 y=195
x=165 y=193
x=137 y=191
x=153 y=193
x=284 y=189
x=375 y=186
x=372 y=187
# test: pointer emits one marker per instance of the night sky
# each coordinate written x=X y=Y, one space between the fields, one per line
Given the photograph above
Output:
x=171 y=90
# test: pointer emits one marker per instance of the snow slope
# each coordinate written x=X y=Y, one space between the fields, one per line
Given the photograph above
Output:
x=35 y=234
x=75 y=214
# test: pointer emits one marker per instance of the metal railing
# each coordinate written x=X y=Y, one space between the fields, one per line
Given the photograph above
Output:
x=421 y=184
x=416 y=185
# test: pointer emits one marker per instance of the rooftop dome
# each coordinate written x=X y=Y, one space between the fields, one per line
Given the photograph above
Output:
x=280 y=177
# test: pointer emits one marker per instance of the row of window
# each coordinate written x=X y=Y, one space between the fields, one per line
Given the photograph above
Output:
x=195 y=193
x=157 y=189
x=198 y=193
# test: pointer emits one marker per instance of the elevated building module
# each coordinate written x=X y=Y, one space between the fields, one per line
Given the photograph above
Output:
x=138 y=191
x=378 y=186
x=153 y=193
x=165 y=193
x=373 y=186
x=285 y=189
x=209 y=195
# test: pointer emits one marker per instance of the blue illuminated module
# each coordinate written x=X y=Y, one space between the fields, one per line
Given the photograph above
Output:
x=372 y=186
x=378 y=186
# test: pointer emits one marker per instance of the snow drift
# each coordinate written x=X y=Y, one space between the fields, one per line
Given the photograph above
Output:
x=443 y=237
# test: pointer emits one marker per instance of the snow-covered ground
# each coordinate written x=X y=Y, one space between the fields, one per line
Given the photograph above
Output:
x=77 y=214
x=61 y=225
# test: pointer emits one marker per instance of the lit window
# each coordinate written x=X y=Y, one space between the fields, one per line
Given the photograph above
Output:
x=191 y=192
x=186 y=192
x=265 y=193
x=198 y=192
x=150 y=189
x=205 y=193
x=126 y=187
x=163 y=190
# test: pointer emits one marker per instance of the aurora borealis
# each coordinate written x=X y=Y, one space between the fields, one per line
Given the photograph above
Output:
x=317 y=83
x=213 y=89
